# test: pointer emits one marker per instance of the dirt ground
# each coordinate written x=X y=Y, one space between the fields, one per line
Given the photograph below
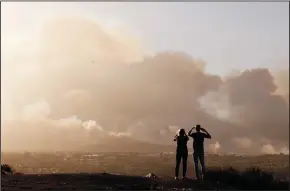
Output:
x=97 y=182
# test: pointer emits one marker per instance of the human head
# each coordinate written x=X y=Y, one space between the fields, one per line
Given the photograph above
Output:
x=197 y=128
x=181 y=132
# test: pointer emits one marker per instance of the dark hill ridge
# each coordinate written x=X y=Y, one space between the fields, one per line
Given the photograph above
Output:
x=102 y=181
x=105 y=181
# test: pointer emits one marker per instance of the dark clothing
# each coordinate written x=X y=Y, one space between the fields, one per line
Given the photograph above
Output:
x=182 y=142
x=198 y=155
x=198 y=140
x=181 y=153
x=179 y=156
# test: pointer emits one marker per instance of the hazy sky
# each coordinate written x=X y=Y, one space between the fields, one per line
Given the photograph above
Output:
x=64 y=72
x=231 y=35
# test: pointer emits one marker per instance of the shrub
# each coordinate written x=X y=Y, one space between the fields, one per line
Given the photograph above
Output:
x=251 y=178
x=6 y=169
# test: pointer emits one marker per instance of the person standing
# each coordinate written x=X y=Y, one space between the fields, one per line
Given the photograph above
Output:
x=198 y=148
x=181 y=153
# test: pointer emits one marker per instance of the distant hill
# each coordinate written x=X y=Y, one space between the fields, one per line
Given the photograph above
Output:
x=126 y=144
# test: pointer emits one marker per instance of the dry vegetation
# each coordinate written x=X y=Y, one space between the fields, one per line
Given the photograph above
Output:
x=6 y=169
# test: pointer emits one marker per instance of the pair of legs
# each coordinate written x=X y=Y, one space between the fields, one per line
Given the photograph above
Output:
x=199 y=155
x=181 y=155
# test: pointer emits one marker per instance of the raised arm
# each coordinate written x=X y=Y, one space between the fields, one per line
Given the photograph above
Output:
x=175 y=138
x=206 y=135
x=190 y=131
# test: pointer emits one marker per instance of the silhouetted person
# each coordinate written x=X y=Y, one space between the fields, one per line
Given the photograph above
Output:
x=181 y=152
x=198 y=148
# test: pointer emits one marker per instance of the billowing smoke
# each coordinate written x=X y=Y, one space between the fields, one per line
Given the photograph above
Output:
x=214 y=148
x=36 y=131
x=243 y=142
x=79 y=82
x=270 y=149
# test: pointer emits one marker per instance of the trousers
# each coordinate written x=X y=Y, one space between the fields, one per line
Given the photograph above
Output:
x=198 y=155
x=181 y=155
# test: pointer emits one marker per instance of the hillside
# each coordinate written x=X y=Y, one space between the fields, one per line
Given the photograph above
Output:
x=126 y=144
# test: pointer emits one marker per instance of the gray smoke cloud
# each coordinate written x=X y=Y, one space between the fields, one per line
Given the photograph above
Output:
x=93 y=83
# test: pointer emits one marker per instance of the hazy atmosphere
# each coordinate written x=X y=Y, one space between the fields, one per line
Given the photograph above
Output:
x=76 y=73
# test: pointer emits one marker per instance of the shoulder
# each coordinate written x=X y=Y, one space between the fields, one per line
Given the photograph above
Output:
x=192 y=135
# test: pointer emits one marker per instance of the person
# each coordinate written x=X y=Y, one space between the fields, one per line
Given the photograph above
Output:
x=198 y=148
x=181 y=153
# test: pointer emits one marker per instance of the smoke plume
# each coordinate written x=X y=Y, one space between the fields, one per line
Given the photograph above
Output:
x=78 y=82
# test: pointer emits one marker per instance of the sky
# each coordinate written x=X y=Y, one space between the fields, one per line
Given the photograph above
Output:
x=142 y=71
x=221 y=34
